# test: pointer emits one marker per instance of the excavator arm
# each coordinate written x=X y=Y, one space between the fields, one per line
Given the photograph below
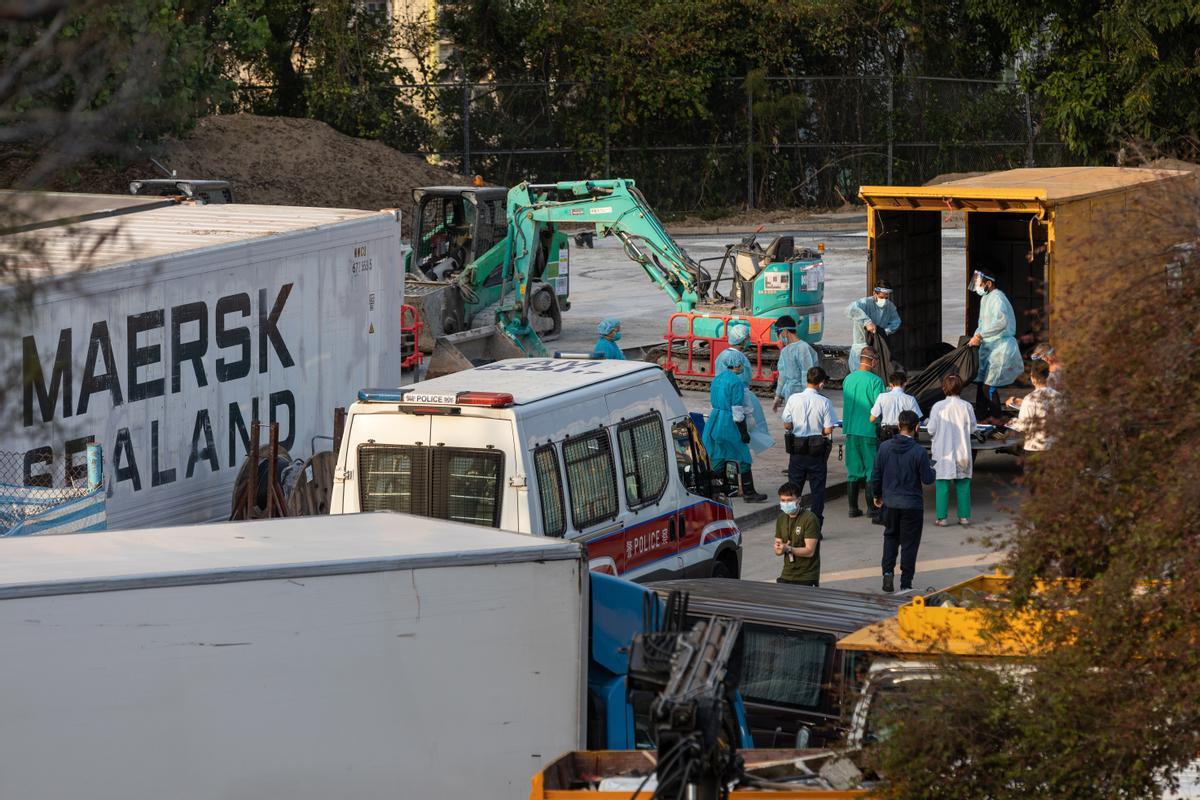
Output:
x=615 y=207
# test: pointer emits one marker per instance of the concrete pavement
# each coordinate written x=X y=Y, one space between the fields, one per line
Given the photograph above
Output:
x=605 y=283
x=852 y=548
x=770 y=467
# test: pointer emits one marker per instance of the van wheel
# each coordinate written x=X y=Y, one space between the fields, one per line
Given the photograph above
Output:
x=724 y=568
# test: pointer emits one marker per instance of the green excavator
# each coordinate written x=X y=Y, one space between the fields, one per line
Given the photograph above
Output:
x=460 y=274
x=752 y=284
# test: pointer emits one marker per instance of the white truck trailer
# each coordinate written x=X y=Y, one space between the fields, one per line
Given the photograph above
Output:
x=365 y=656
x=162 y=331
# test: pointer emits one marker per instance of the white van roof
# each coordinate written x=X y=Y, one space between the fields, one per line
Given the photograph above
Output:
x=528 y=380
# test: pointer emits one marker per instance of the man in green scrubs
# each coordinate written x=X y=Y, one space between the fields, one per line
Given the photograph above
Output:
x=859 y=392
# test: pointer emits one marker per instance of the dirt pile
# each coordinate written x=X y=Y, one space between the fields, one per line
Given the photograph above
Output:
x=1173 y=163
x=269 y=160
x=946 y=177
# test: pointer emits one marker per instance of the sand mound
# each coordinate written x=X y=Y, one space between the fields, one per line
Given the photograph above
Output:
x=946 y=177
x=271 y=160
x=1173 y=163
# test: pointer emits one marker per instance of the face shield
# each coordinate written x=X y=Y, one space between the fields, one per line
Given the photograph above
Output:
x=977 y=281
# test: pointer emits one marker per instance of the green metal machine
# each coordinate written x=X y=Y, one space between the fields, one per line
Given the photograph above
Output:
x=457 y=276
x=753 y=284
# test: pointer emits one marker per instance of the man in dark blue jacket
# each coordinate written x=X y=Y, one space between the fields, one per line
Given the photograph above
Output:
x=901 y=466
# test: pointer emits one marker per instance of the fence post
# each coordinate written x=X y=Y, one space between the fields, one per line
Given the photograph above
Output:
x=466 y=126
x=606 y=115
x=1028 y=131
x=749 y=149
x=891 y=134
x=95 y=466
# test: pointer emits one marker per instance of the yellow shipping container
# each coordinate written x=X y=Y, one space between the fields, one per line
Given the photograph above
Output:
x=1041 y=230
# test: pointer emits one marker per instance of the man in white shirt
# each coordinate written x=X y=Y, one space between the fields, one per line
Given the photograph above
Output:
x=888 y=405
x=808 y=421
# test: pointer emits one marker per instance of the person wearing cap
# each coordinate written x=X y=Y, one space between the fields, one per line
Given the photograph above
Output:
x=860 y=390
x=999 y=357
x=809 y=418
x=1045 y=353
x=727 y=432
x=872 y=313
x=760 y=437
x=606 y=346
x=796 y=358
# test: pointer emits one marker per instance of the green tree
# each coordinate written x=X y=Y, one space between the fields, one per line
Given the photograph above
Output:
x=1109 y=71
x=1105 y=552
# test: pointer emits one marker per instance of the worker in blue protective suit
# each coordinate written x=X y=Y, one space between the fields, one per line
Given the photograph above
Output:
x=760 y=438
x=606 y=346
x=796 y=358
x=999 y=357
x=873 y=313
x=727 y=431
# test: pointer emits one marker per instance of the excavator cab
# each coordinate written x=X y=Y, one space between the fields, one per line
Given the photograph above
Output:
x=453 y=226
x=772 y=280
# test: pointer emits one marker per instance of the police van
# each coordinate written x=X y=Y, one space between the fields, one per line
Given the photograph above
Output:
x=600 y=452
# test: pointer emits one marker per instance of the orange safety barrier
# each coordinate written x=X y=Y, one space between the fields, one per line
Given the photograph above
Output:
x=688 y=363
x=410 y=336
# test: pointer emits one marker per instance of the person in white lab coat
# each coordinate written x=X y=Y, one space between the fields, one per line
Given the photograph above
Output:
x=951 y=423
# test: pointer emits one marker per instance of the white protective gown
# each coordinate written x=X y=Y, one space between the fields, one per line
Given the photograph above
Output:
x=999 y=358
x=862 y=311
x=951 y=423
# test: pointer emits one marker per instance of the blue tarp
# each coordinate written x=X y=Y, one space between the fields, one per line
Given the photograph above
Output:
x=33 y=510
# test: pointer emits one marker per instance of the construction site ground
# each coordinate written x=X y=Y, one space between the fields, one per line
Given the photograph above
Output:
x=604 y=283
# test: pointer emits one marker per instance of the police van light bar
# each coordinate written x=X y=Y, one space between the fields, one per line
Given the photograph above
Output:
x=485 y=399
x=482 y=399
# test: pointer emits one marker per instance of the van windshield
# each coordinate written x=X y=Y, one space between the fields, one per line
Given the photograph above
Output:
x=456 y=483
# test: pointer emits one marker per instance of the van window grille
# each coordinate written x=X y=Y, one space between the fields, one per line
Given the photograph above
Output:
x=393 y=478
x=643 y=459
x=466 y=485
x=550 y=490
x=461 y=484
x=591 y=479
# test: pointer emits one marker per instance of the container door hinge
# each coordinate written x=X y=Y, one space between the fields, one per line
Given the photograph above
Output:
x=342 y=475
x=518 y=482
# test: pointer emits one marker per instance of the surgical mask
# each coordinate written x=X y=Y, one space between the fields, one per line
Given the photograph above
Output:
x=788 y=506
x=616 y=336
x=880 y=303
x=979 y=290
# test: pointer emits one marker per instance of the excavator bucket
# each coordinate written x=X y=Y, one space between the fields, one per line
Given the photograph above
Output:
x=459 y=351
x=440 y=306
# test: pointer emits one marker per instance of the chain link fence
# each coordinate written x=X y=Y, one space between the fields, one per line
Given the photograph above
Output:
x=757 y=143
x=40 y=494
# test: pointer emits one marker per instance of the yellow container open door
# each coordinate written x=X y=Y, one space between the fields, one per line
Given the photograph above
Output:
x=1039 y=229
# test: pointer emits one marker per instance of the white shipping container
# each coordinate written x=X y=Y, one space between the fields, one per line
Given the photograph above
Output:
x=365 y=656
x=162 y=333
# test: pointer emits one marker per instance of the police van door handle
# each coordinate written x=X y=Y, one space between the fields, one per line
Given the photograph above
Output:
x=671 y=533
